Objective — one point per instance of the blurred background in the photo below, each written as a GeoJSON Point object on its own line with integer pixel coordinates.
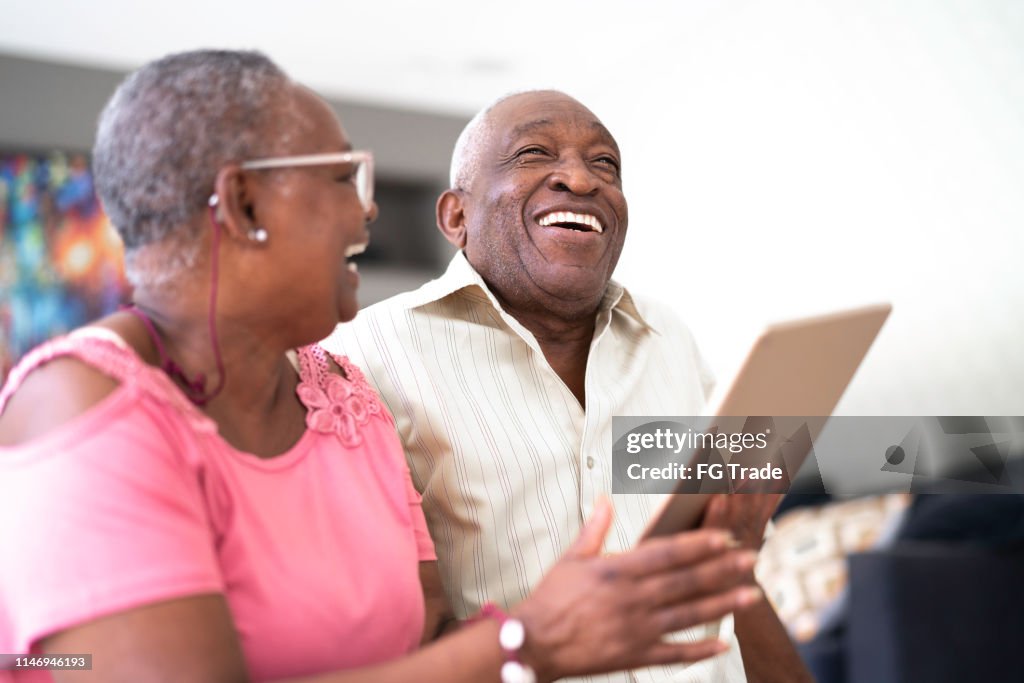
{"type": "Point", "coordinates": [780, 159]}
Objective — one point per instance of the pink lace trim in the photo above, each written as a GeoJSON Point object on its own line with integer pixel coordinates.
{"type": "Point", "coordinates": [337, 405]}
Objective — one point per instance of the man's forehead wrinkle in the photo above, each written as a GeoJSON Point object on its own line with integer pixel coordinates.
{"type": "Point", "coordinates": [522, 129]}
{"type": "Point", "coordinates": [494, 128]}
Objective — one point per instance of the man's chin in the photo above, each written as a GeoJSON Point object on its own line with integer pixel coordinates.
{"type": "Point", "coordinates": [573, 284]}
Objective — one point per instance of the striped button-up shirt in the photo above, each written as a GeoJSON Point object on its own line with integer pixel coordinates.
{"type": "Point", "coordinates": [508, 462]}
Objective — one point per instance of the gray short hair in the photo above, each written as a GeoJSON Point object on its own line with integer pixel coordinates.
{"type": "Point", "coordinates": [168, 129]}
{"type": "Point", "coordinates": [465, 155]}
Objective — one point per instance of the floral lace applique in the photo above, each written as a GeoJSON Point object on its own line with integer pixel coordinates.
{"type": "Point", "coordinates": [339, 406]}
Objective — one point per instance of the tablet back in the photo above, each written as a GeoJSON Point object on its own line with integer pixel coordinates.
{"type": "Point", "coordinates": [795, 368]}
{"type": "Point", "coordinates": [802, 367]}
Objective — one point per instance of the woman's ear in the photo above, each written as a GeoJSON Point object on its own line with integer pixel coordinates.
{"type": "Point", "coordinates": [451, 217]}
{"type": "Point", "coordinates": [234, 204]}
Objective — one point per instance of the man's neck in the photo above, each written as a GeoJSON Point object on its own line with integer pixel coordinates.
{"type": "Point", "coordinates": [565, 342]}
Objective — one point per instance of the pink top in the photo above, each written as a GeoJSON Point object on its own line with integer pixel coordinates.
{"type": "Point", "coordinates": [139, 500]}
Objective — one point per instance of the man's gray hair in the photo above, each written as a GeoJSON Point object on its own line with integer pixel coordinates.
{"type": "Point", "coordinates": [466, 154]}
{"type": "Point", "coordinates": [167, 130]}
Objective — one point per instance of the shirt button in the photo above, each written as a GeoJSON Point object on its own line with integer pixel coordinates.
{"type": "Point", "coordinates": [590, 462]}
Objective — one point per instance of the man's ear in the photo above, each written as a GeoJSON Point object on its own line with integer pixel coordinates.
{"type": "Point", "coordinates": [234, 209]}
{"type": "Point", "coordinates": [451, 217]}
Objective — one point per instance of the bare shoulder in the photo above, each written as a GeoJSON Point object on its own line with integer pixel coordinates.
{"type": "Point", "coordinates": [52, 395]}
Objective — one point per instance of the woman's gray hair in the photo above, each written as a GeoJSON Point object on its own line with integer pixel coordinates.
{"type": "Point", "coordinates": [165, 133]}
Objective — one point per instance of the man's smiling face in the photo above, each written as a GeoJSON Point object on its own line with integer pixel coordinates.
{"type": "Point", "coordinates": [544, 211]}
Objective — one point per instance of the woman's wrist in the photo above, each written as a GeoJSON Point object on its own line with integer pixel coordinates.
{"type": "Point", "coordinates": [520, 659]}
{"type": "Point", "coordinates": [533, 653]}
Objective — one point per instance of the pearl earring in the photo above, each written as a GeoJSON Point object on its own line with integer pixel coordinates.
{"type": "Point", "coordinates": [255, 234]}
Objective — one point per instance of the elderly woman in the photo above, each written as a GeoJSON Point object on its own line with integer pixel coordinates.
{"type": "Point", "coordinates": [191, 489]}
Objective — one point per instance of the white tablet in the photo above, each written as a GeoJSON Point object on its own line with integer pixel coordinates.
{"type": "Point", "coordinates": [798, 368]}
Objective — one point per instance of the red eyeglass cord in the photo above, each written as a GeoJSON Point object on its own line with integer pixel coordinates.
{"type": "Point", "coordinates": [195, 389]}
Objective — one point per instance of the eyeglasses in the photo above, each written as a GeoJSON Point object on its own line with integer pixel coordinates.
{"type": "Point", "coordinates": [362, 172]}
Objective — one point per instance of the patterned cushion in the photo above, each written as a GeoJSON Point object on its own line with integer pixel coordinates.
{"type": "Point", "coordinates": [802, 566]}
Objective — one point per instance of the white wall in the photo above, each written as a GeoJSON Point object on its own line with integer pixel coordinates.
{"type": "Point", "coordinates": [804, 156]}
{"type": "Point", "coordinates": [782, 157]}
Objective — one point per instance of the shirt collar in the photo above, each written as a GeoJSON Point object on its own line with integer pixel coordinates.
{"type": "Point", "coordinates": [461, 276]}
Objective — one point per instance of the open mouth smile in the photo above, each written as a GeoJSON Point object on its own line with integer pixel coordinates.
{"type": "Point", "coordinates": [354, 250]}
{"type": "Point", "coordinates": [581, 222]}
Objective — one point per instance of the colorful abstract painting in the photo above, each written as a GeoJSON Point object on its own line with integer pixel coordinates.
{"type": "Point", "coordinates": [60, 260]}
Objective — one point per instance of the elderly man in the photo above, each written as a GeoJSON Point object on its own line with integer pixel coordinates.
{"type": "Point", "coordinates": [504, 373]}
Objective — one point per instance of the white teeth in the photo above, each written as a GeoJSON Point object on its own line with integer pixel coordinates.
{"type": "Point", "coordinates": [570, 217]}
{"type": "Point", "coordinates": [353, 267]}
{"type": "Point", "coordinates": [355, 249]}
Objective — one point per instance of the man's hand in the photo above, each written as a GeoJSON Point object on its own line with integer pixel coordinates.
{"type": "Point", "coordinates": [746, 515]}
{"type": "Point", "coordinates": [768, 653]}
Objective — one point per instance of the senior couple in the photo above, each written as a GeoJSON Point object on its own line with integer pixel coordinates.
{"type": "Point", "coordinates": [194, 489]}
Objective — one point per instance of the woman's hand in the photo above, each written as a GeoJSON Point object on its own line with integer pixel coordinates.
{"type": "Point", "coordinates": [592, 613]}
